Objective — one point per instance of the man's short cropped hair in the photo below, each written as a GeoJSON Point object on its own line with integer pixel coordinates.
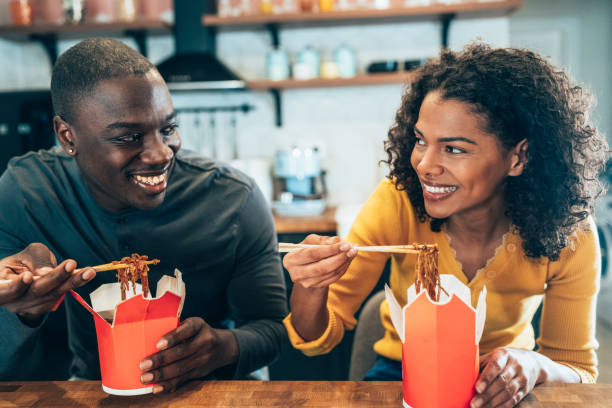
{"type": "Point", "coordinates": [77, 71]}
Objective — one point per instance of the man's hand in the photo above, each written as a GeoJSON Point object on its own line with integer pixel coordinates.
{"type": "Point", "coordinates": [31, 298]}
{"type": "Point", "coordinates": [507, 376]}
{"type": "Point", "coordinates": [193, 350]}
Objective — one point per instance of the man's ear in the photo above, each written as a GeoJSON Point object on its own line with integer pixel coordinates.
{"type": "Point", "coordinates": [64, 134]}
{"type": "Point", "coordinates": [518, 158]}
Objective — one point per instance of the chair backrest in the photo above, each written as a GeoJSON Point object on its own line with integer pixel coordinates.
{"type": "Point", "coordinates": [368, 331]}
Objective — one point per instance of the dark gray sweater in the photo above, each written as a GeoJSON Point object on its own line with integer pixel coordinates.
{"type": "Point", "coordinates": [214, 226]}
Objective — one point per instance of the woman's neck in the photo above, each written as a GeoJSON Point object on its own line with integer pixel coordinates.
{"type": "Point", "coordinates": [479, 226]}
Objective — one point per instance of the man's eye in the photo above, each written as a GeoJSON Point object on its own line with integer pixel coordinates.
{"type": "Point", "coordinates": [169, 130]}
{"type": "Point", "coordinates": [420, 141]}
{"type": "Point", "coordinates": [133, 138]}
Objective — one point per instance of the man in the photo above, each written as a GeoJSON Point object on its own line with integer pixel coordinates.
{"type": "Point", "coordinates": [117, 186]}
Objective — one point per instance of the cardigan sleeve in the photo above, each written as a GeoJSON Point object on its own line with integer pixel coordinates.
{"type": "Point", "coordinates": [376, 224]}
{"type": "Point", "coordinates": [569, 309]}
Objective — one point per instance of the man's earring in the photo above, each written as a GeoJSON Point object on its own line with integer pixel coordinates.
{"type": "Point", "coordinates": [71, 150]}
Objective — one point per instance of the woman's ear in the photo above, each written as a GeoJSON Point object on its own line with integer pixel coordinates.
{"type": "Point", "coordinates": [63, 131]}
{"type": "Point", "coordinates": [518, 158]}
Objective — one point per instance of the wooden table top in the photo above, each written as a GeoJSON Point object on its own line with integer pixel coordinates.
{"type": "Point", "coordinates": [270, 394]}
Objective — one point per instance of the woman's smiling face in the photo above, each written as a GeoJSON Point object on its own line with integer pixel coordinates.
{"type": "Point", "coordinates": [460, 166]}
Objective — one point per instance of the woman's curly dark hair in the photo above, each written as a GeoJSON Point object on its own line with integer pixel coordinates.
{"type": "Point", "coordinates": [521, 96]}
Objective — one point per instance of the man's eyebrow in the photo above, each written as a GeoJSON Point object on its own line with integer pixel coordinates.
{"type": "Point", "coordinates": [124, 125]}
{"type": "Point", "coordinates": [448, 139]}
{"type": "Point", "coordinates": [136, 125]}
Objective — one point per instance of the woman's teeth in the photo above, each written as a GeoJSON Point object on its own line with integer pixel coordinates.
{"type": "Point", "coordinates": [152, 181]}
{"type": "Point", "coordinates": [439, 190]}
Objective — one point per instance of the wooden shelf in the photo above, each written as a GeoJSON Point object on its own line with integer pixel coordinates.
{"type": "Point", "coordinates": [146, 25]}
{"type": "Point", "coordinates": [48, 34]}
{"type": "Point", "coordinates": [505, 6]}
{"type": "Point", "coordinates": [325, 222]}
{"type": "Point", "coordinates": [359, 80]}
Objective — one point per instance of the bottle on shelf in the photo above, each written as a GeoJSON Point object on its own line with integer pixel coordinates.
{"type": "Point", "coordinates": [326, 5]}
{"type": "Point", "coordinates": [126, 10]}
{"type": "Point", "coordinates": [307, 6]}
{"type": "Point", "coordinates": [74, 11]}
{"type": "Point", "coordinates": [100, 11]}
{"type": "Point", "coordinates": [344, 56]}
{"type": "Point", "coordinates": [49, 12]}
{"type": "Point", "coordinates": [266, 7]}
{"type": "Point", "coordinates": [329, 69]}
{"type": "Point", "coordinates": [277, 64]}
{"type": "Point", "coordinates": [307, 64]}
{"type": "Point", "coordinates": [21, 12]}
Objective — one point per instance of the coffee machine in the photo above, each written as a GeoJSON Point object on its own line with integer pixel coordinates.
{"type": "Point", "coordinates": [299, 182]}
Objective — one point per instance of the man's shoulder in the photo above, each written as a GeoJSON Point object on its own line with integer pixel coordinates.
{"type": "Point", "coordinates": [36, 159]}
{"type": "Point", "coordinates": [34, 166]}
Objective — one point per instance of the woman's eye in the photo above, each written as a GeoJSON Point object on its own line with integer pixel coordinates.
{"type": "Point", "coordinates": [420, 141]}
{"type": "Point", "coordinates": [454, 150]}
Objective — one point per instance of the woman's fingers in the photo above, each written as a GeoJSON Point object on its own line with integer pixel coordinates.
{"type": "Point", "coordinates": [321, 269]}
{"type": "Point", "coordinates": [307, 256]}
{"type": "Point", "coordinates": [494, 366]}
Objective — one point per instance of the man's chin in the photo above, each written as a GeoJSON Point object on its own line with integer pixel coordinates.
{"type": "Point", "coordinates": [151, 203]}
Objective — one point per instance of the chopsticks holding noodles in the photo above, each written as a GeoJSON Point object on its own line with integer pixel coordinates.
{"type": "Point", "coordinates": [97, 268]}
{"type": "Point", "coordinates": [395, 249]}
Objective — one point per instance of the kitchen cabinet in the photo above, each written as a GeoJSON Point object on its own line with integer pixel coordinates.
{"type": "Point", "coordinates": [445, 13]}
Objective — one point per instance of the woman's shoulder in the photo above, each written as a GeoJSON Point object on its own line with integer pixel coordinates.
{"type": "Point", "coordinates": [581, 254]}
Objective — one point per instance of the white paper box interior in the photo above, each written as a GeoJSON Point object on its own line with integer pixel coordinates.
{"type": "Point", "coordinates": [453, 286]}
{"type": "Point", "coordinates": [105, 299]}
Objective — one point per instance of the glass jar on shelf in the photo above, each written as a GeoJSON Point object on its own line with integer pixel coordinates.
{"type": "Point", "coordinates": [126, 10]}
{"type": "Point", "coordinates": [21, 12]}
{"type": "Point", "coordinates": [48, 12]}
{"type": "Point", "coordinates": [266, 7]}
{"type": "Point", "coordinates": [307, 6]}
{"type": "Point", "coordinates": [326, 5]}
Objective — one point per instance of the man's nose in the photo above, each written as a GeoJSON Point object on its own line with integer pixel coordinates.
{"type": "Point", "coordinates": [155, 151]}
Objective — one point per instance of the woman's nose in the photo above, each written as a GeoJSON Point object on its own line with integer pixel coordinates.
{"type": "Point", "coordinates": [428, 163]}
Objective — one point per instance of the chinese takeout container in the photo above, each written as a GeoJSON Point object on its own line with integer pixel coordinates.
{"type": "Point", "coordinates": [129, 330]}
{"type": "Point", "coordinates": [439, 344]}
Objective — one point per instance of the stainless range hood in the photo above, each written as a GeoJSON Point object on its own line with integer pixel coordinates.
{"type": "Point", "coordinates": [194, 66]}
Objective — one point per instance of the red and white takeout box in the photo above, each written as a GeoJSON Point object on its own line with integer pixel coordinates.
{"type": "Point", "coordinates": [128, 330]}
{"type": "Point", "coordinates": [439, 344]}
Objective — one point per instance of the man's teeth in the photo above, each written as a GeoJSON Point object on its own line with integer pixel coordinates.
{"type": "Point", "coordinates": [439, 190]}
{"type": "Point", "coordinates": [152, 181]}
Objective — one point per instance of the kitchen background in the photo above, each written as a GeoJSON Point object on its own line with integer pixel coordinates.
{"type": "Point", "coordinates": [347, 125]}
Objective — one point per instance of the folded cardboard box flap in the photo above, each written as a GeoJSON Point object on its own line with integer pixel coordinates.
{"type": "Point", "coordinates": [454, 287]}
{"type": "Point", "coordinates": [106, 299]}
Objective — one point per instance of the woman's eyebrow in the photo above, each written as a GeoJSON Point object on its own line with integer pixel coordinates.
{"type": "Point", "coordinates": [456, 139]}
{"type": "Point", "coordinates": [447, 139]}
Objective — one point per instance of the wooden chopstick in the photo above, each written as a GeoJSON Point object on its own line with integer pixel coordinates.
{"type": "Point", "coordinates": [398, 249]}
{"type": "Point", "coordinates": [97, 268]}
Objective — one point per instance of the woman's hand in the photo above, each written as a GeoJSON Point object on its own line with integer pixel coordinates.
{"type": "Point", "coordinates": [192, 350]}
{"type": "Point", "coordinates": [507, 376]}
{"type": "Point", "coordinates": [320, 266]}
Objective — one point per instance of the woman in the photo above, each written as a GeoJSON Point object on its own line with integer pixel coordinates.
{"type": "Point", "coordinates": [492, 158]}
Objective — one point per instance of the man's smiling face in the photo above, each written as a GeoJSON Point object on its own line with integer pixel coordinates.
{"type": "Point", "coordinates": [125, 141]}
